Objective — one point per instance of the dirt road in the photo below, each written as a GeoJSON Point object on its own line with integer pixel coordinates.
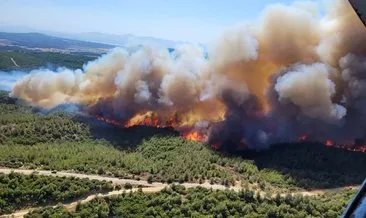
{"type": "Point", "coordinates": [72, 206]}
{"type": "Point", "coordinates": [147, 187]}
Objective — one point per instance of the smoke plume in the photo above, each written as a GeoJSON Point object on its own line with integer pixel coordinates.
{"type": "Point", "coordinates": [294, 72]}
{"type": "Point", "coordinates": [8, 79]}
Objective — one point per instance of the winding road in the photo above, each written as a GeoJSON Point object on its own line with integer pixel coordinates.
{"type": "Point", "coordinates": [147, 187]}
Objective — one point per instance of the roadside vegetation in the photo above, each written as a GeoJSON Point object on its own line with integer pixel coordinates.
{"type": "Point", "coordinates": [18, 191]}
{"type": "Point", "coordinates": [177, 201]}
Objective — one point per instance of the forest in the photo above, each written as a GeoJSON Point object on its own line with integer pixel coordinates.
{"type": "Point", "coordinates": [176, 201]}
{"type": "Point", "coordinates": [57, 140]}
{"type": "Point", "coordinates": [28, 60]}
{"type": "Point", "coordinates": [19, 191]}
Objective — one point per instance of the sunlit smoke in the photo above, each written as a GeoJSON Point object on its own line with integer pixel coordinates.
{"type": "Point", "coordinates": [293, 75]}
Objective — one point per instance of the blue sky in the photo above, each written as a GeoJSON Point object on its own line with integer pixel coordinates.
{"type": "Point", "coordinates": [187, 20]}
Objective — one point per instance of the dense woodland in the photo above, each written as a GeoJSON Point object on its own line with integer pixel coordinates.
{"type": "Point", "coordinates": [59, 141]}
{"type": "Point", "coordinates": [180, 202]}
{"type": "Point", "coordinates": [18, 190]}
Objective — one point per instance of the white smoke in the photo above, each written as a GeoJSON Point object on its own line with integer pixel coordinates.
{"type": "Point", "coordinates": [8, 79]}
{"type": "Point", "coordinates": [309, 87]}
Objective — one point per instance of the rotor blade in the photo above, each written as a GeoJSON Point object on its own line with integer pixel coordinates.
{"type": "Point", "coordinates": [360, 8]}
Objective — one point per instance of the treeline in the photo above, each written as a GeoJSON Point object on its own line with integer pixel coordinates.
{"type": "Point", "coordinates": [166, 159]}
{"type": "Point", "coordinates": [173, 159]}
{"type": "Point", "coordinates": [19, 190]}
{"type": "Point", "coordinates": [19, 125]}
{"type": "Point", "coordinates": [199, 202]}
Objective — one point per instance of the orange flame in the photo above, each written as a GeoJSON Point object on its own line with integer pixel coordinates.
{"type": "Point", "coordinates": [110, 121]}
{"type": "Point", "coordinates": [151, 119]}
{"type": "Point", "coordinates": [145, 121]}
{"type": "Point", "coordinates": [351, 147]}
{"type": "Point", "coordinates": [148, 119]}
{"type": "Point", "coordinates": [329, 142]}
{"type": "Point", "coordinates": [195, 136]}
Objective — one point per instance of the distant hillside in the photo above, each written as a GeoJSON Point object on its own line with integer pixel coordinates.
{"type": "Point", "coordinates": [45, 42]}
{"type": "Point", "coordinates": [23, 59]}
{"type": "Point", "coordinates": [127, 40]}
